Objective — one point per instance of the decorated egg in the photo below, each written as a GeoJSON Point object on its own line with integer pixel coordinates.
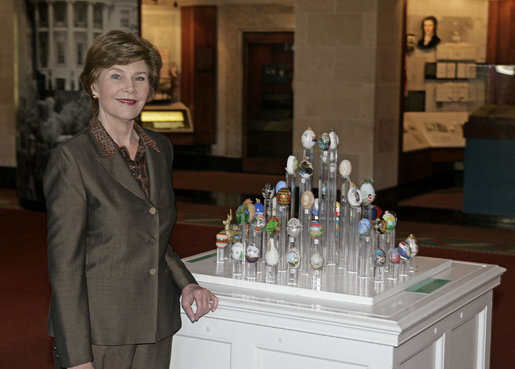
{"type": "Point", "coordinates": [345, 168]}
{"type": "Point", "coordinates": [273, 226]}
{"type": "Point", "coordinates": [222, 239]}
{"type": "Point", "coordinates": [252, 253]}
{"type": "Point", "coordinates": [354, 196]}
{"type": "Point", "coordinates": [260, 209]}
{"type": "Point", "coordinates": [315, 208]}
{"type": "Point", "coordinates": [242, 214]}
{"type": "Point", "coordinates": [379, 257]}
{"type": "Point", "coordinates": [364, 226]}
{"type": "Point", "coordinates": [259, 222]}
{"type": "Point", "coordinates": [316, 261]}
{"type": "Point", "coordinates": [293, 258]}
{"type": "Point", "coordinates": [272, 255]}
{"type": "Point", "coordinates": [294, 227]}
{"type": "Point", "coordinates": [316, 230]}
{"type": "Point", "coordinates": [279, 185]}
{"type": "Point", "coordinates": [283, 196]}
{"type": "Point", "coordinates": [307, 199]}
{"type": "Point", "coordinates": [391, 220]}
{"type": "Point", "coordinates": [237, 251]}
{"type": "Point", "coordinates": [268, 191]}
{"type": "Point", "coordinates": [404, 250]}
{"type": "Point", "coordinates": [380, 226]}
{"type": "Point", "coordinates": [308, 138]}
{"type": "Point", "coordinates": [337, 210]}
{"type": "Point", "coordinates": [370, 212]}
{"type": "Point", "coordinates": [324, 141]}
{"type": "Point", "coordinates": [334, 140]}
{"type": "Point", "coordinates": [367, 191]}
{"type": "Point", "coordinates": [292, 165]}
{"type": "Point", "coordinates": [305, 169]}
{"type": "Point", "coordinates": [412, 242]}
{"type": "Point", "coordinates": [395, 255]}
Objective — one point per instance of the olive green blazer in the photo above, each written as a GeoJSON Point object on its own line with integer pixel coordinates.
{"type": "Point", "coordinates": [115, 279]}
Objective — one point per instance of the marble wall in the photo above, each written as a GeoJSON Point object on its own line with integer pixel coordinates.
{"type": "Point", "coordinates": [8, 24]}
{"type": "Point", "coordinates": [347, 77]}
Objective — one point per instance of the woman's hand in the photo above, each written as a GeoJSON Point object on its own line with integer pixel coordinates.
{"type": "Point", "coordinates": [83, 366]}
{"type": "Point", "coordinates": [202, 297]}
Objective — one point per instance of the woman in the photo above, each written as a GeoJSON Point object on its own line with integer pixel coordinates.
{"type": "Point", "coordinates": [429, 38]}
{"type": "Point", "coordinates": [116, 281]}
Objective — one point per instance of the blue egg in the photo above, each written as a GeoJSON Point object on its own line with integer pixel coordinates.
{"type": "Point", "coordinates": [279, 185]}
{"type": "Point", "coordinates": [260, 209]}
{"type": "Point", "coordinates": [364, 226]}
{"type": "Point", "coordinates": [373, 211]}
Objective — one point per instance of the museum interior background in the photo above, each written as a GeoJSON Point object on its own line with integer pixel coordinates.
{"type": "Point", "coordinates": [249, 76]}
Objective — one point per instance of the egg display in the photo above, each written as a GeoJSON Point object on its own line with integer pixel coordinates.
{"type": "Point", "coordinates": [252, 253]}
{"type": "Point", "coordinates": [390, 219]}
{"type": "Point", "coordinates": [292, 165]}
{"type": "Point", "coordinates": [284, 196]}
{"type": "Point", "coordinates": [273, 226]}
{"type": "Point", "coordinates": [268, 191]}
{"type": "Point", "coordinates": [293, 258]}
{"type": "Point", "coordinates": [316, 230]}
{"type": "Point", "coordinates": [354, 196]}
{"type": "Point", "coordinates": [305, 169]}
{"type": "Point", "coordinates": [272, 255]}
{"type": "Point", "coordinates": [379, 258]}
{"type": "Point", "coordinates": [258, 222]}
{"type": "Point", "coordinates": [345, 168]}
{"type": "Point", "coordinates": [367, 191]}
{"type": "Point", "coordinates": [294, 227]}
{"type": "Point", "coordinates": [309, 138]}
{"type": "Point", "coordinates": [237, 251]}
{"type": "Point", "coordinates": [324, 141]}
{"type": "Point", "coordinates": [364, 226]}
{"type": "Point", "coordinates": [222, 239]}
{"type": "Point", "coordinates": [335, 141]}
{"type": "Point", "coordinates": [316, 261]}
{"type": "Point", "coordinates": [307, 199]}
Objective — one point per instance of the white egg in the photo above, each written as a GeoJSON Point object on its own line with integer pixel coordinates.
{"type": "Point", "coordinates": [335, 141]}
{"type": "Point", "coordinates": [354, 196]}
{"type": "Point", "coordinates": [345, 168]}
{"type": "Point", "coordinates": [292, 165]}
{"type": "Point", "coordinates": [309, 138]}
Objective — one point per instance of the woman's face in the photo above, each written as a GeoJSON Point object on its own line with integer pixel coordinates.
{"type": "Point", "coordinates": [122, 91]}
{"type": "Point", "coordinates": [429, 27]}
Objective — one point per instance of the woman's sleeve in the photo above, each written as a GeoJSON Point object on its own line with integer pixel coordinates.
{"type": "Point", "coordinates": [67, 217]}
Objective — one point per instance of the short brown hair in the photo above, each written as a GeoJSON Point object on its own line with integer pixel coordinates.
{"type": "Point", "coordinates": [119, 48]}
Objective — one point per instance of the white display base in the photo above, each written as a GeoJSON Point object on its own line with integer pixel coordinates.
{"type": "Point", "coordinates": [261, 326]}
{"type": "Point", "coordinates": [337, 285]}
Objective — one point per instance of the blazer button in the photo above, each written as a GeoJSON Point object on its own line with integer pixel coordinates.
{"type": "Point", "coordinates": [152, 210]}
{"type": "Point", "coordinates": [152, 271]}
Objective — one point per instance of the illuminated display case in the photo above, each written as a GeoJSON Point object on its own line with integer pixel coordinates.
{"type": "Point", "coordinates": [173, 117]}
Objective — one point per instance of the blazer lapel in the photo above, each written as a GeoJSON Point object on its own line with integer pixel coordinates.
{"type": "Point", "coordinates": [117, 167]}
{"type": "Point", "coordinates": [152, 157]}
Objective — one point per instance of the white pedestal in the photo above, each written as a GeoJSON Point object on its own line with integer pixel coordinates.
{"type": "Point", "coordinates": [342, 326]}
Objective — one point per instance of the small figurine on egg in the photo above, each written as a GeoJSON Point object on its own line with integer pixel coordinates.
{"type": "Point", "coordinates": [292, 165]}
{"type": "Point", "coordinates": [228, 227]}
{"type": "Point", "coordinates": [308, 138]}
{"type": "Point", "coordinates": [305, 169]}
{"type": "Point", "coordinates": [367, 190]}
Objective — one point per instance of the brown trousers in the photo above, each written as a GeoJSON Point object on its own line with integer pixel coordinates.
{"type": "Point", "coordinates": [144, 356]}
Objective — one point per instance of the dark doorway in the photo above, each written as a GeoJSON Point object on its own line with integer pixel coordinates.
{"type": "Point", "coordinates": [268, 101]}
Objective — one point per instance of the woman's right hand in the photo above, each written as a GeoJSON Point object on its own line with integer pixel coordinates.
{"type": "Point", "coordinates": [83, 366]}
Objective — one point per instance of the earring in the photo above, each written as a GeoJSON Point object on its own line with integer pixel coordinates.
{"type": "Point", "coordinates": [95, 97]}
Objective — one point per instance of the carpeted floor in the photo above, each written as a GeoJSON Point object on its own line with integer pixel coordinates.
{"type": "Point", "coordinates": [24, 275]}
